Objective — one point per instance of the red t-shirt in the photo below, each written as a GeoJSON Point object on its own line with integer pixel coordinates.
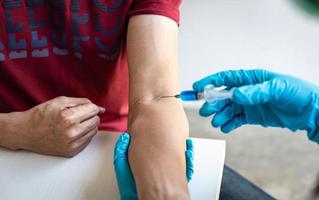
{"type": "Point", "coordinates": [74, 48]}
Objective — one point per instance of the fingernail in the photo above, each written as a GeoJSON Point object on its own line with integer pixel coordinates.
{"type": "Point", "coordinates": [189, 145]}
{"type": "Point", "coordinates": [215, 123]}
{"type": "Point", "coordinates": [101, 109]}
{"type": "Point", "coordinates": [226, 131]}
{"type": "Point", "coordinates": [204, 112]}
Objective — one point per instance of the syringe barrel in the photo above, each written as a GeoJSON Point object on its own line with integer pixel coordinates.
{"type": "Point", "coordinates": [211, 94]}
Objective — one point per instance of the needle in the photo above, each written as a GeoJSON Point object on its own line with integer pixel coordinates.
{"type": "Point", "coordinates": [173, 96]}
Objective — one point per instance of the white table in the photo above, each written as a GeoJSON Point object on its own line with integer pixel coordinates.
{"type": "Point", "coordinates": [90, 175]}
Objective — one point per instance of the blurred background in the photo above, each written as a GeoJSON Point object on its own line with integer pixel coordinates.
{"type": "Point", "coordinates": [278, 35]}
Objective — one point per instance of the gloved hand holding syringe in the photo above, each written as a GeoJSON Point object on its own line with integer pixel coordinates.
{"type": "Point", "coordinates": [260, 97]}
{"type": "Point", "coordinates": [210, 94]}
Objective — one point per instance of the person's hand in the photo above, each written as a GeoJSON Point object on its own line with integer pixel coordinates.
{"type": "Point", "coordinates": [62, 126]}
{"type": "Point", "coordinates": [123, 172]}
{"type": "Point", "coordinates": [263, 98]}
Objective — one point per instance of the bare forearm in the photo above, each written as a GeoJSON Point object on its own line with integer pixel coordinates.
{"type": "Point", "coordinates": [157, 153]}
{"type": "Point", "coordinates": [158, 125]}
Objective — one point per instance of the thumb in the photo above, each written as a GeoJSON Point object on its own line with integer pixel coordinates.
{"type": "Point", "coordinates": [189, 153]}
{"type": "Point", "coordinates": [254, 94]}
{"type": "Point", "coordinates": [121, 147]}
{"type": "Point", "coordinates": [124, 176]}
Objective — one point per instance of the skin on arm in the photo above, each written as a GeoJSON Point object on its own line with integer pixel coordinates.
{"type": "Point", "coordinates": [158, 126]}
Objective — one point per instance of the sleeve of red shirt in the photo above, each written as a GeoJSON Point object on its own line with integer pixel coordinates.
{"type": "Point", "coordinates": [167, 8]}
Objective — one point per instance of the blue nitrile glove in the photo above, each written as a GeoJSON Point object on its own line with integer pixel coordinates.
{"type": "Point", "coordinates": [125, 180]}
{"type": "Point", "coordinates": [263, 98]}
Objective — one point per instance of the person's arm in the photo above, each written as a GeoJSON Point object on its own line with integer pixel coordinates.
{"type": "Point", "coordinates": [158, 125]}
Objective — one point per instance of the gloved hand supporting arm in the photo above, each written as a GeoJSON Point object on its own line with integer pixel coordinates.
{"type": "Point", "coordinates": [125, 179]}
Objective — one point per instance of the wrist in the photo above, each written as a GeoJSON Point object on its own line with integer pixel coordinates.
{"type": "Point", "coordinates": [12, 126]}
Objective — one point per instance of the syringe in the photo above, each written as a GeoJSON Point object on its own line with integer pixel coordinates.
{"type": "Point", "coordinates": [210, 94]}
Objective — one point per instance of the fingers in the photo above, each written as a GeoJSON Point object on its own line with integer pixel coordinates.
{"type": "Point", "coordinates": [233, 78]}
{"type": "Point", "coordinates": [211, 108]}
{"type": "Point", "coordinates": [71, 101]}
{"type": "Point", "coordinates": [189, 145]}
{"type": "Point", "coordinates": [101, 109]}
{"type": "Point", "coordinates": [81, 112]}
{"type": "Point", "coordinates": [230, 118]}
{"type": "Point", "coordinates": [225, 111]}
{"type": "Point", "coordinates": [189, 153]}
{"type": "Point", "coordinates": [80, 141]}
{"type": "Point", "coordinates": [84, 139]}
{"type": "Point", "coordinates": [121, 146]}
{"type": "Point", "coordinates": [82, 146]}
{"type": "Point", "coordinates": [83, 128]}
{"type": "Point", "coordinates": [226, 115]}
{"type": "Point", "coordinates": [234, 123]}
{"type": "Point", "coordinates": [78, 146]}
